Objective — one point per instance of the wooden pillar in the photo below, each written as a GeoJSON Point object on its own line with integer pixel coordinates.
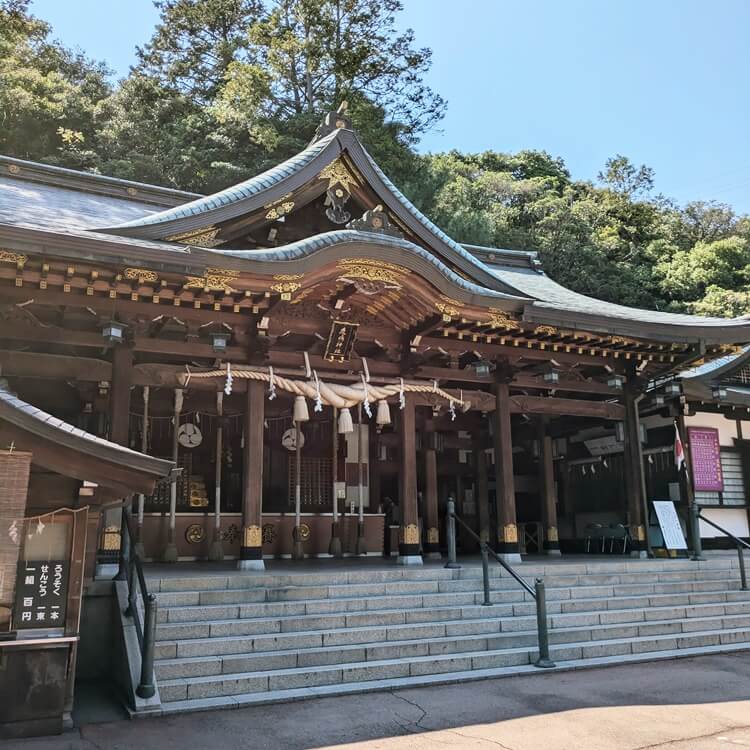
{"type": "Point", "coordinates": [505, 495]}
{"type": "Point", "coordinates": [119, 396]}
{"type": "Point", "coordinates": [483, 493]}
{"type": "Point", "coordinates": [431, 517]}
{"type": "Point", "coordinates": [408, 547]}
{"type": "Point", "coordinates": [686, 480]}
{"type": "Point", "coordinates": [251, 552]}
{"type": "Point", "coordinates": [547, 489]}
{"type": "Point", "coordinates": [633, 466]}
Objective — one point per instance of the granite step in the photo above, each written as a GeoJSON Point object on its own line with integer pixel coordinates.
{"type": "Point", "coordinates": [313, 657]}
{"type": "Point", "coordinates": [481, 625]}
{"type": "Point", "coordinates": [241, 580]}
{"type": "Point", "coordinates": [210, 686]}
{"type": "Point", "coordinates": [378, 591]}
{"type": "Point", "coordinates": [230, 622]}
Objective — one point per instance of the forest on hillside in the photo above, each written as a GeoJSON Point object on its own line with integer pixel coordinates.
{"type": "Point", "coordinates": [226, 88]}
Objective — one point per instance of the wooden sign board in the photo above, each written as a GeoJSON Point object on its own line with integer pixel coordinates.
{"type": "Point", "coordinates": [705, 459]}
{"type": "Point", "coordinates": [669, 523]}
{"type": "Point", "coordinates": [41, 594]}
{"type": "Point", "coordinates": [341, 341]}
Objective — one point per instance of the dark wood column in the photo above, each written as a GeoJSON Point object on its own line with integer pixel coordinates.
{"type": "Point", "coordinates": [251, 552]}
{"type": "Point", "coordinates": [119, 396]}
{"type": "Point", "coordinates": [408, 546]}
{"type": "Point", "coordinates": [633, 465]}
{"type": "Point", "coordinates": [483, 493]}
{"type": "Point", "coordinates": [547, 489]}
{"type": "Point", "coordinates": [431, 522]}
{"type": "Point", "coordinates": [505, 495]}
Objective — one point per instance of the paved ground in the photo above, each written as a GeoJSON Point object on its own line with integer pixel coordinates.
{"type": "Point", "coordinates": [695, 704]}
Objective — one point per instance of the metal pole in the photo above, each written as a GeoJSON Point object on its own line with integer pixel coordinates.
{"type": "Point", "coordinates": [146, 688]}
{"type": "Point", "coordinates": [334, 546]}
{"type": "Point", "coordinates": [298, 552]}
{"type": "Point", "coordinates": [486, 573]}
{"type": "Point", "coordinates": [170, 552]}
{"type": "Point", "coordinates": [695, 514]}
{"type": "Point", "coordinates": [543, 662]}
{"type": "Point", "coordinates": [139, 550]}
{"type": "Point", "coordinates": [743, 574]}
{"type": "Point", "coordinates": [122, 573]}
{"type": "Point", "coordinates": [451, 534]}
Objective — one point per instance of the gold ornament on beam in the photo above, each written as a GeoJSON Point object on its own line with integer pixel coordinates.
{"type": "Point", "coordinates": [450, 308]}
{"type": "Point", "coordinates": [253, 536]}
{"type": "Point", "coordinates": [206, 237]}
{"type": "Point", "coordinates": [501, 319]}
{"type": "Point", "coordinates": [288, 276]}
{"type": "Point", "coordinates": [211, 282]}
{"type": "Point", "coordinates": [545, 331]}
{"type": "Point", "coordinates": [141, 274]}
{"type": "Point", "coordinates": [372, 270]}
{"type": "Point", "coordinates": [279, 210]}
{"type": "Point", "coordinates": [285, 289]}
{"type": "Point", "coordinates": [7, 256]}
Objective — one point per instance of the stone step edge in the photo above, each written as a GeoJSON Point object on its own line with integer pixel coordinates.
{"type": "Point", "coordinates": [211, 639]}
{"type": "Point", "coordinates": [446, 678]}
{"type": "Point", "coordinates": [511, 587]}
{"type": "Point", "coordinates": [375, 612]}
{"type": "Point", "coordinates": [688, 568]}
{"type": "Point", "coordinates": [463, 638]}
{"type": "Point", "coordinates": [441, 573]}
{"type": "Point", "coordinates": [531, 650]}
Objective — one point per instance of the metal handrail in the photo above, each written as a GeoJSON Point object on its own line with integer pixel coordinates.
{"type": "Point", "coordinates": [538, 592]}
{"type": "Point", "coordinates": [739, 542]}
{"type": "Point", "coordinates": [131, 570]}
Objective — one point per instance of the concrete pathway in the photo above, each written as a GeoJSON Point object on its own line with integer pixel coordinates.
{"type": "Point", "coordinates": [687, 704]}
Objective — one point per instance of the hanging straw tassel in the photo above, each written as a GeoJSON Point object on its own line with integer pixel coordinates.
{"type": "Point", "coordinates": [300, 409]}
{"type": "Point", "coordinates": [345, 421]}
{"type": "Point", "coordinates": [384, 413]}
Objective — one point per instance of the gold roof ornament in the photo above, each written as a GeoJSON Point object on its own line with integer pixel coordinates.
{"type": "Point", "coordinates": [7, 256]}
{"type": "Point", "coordinates": [214, 280]}
{"type": "Point", "coordinates": [545, 331]}
{"type": "Point", "coordinates": [450, 308]}
{"type": "Point", "coordinates": [337, 173]}
{"type": "Point", "coordinates": [372, 270]}
{"type": "Point", "coordinates": [206, 237]}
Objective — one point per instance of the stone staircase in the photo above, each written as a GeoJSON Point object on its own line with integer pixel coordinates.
{"type": "Point", "coordinates": [237, 638]}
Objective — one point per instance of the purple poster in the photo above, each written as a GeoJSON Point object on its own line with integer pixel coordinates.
{"type": "Point", "coordinates": [705, 459]}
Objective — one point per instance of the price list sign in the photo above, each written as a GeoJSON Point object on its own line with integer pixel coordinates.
{"type": "Point", "coordinates": [41, 594]}
{"type": "Point", "coordinates": [705, 459]}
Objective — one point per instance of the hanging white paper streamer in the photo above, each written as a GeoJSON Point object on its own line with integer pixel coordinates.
{"type": "Point", "coordinates": [401, 395]}
{"type": "Point", "coordinates": [228, 384]}
{"type": "Point", "coordinates": [366, 401]}
{"type": "Point", "coordinates": [318, 397]}
{"type": "Point", "coordinates": [271, 385]}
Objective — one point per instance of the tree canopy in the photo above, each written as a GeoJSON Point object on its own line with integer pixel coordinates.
{"type": "Point", "coordinates": [226, 88]}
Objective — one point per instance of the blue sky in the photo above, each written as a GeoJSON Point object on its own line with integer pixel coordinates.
{"type": "Point", "coordinates": [664, 82]}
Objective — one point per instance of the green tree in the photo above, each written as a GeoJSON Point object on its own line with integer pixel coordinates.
{"type": "Point", "coordinates": [48, 93]}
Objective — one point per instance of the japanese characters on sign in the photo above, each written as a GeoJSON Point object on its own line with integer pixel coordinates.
{"type": "Point", "coordinates": [41, 594]}
{"type": "Point", "coordinates": [705, 459]}
{"type": "Point", "coordinates": [340, 341]}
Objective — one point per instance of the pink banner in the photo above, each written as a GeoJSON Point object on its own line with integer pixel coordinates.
{"type": "Point", "coordinates": [705, 459]}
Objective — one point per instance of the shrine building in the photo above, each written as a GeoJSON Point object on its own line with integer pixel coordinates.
{"type": "Point", "coordinates": [304, 366]}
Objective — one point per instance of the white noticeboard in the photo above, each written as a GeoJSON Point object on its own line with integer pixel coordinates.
{"type": "Point", "coordinates": [669, 523]}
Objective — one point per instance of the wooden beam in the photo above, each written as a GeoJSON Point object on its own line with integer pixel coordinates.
{"type": "Point", "coordinates": [562, 407]}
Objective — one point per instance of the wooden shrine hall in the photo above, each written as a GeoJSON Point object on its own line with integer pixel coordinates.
{"type": "Point", "coordinates": [325, 364]}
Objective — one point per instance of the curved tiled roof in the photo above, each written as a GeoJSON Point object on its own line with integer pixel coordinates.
{"type": "Point", "coordinates": [307, 247]}
{"type": "Point", "coordinates": [240, 192]}
{"type": "Point", "coordinates": [37, 422]}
